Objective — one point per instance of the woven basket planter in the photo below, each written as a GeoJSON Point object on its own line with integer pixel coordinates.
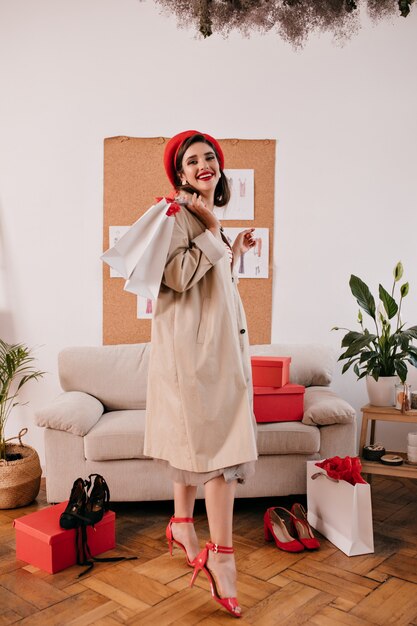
{"type": "Point", "coordinates": [19, 480]}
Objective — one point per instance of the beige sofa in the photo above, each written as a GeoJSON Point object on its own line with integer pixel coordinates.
{"type": "Point", "coordinates": [97, 425]}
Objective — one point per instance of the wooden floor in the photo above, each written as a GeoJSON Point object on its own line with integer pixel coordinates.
{"type": "Point", "coordinates": [325, 588]}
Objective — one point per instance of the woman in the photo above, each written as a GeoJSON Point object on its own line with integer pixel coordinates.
{"type": "Point", "coordinates": [199, 403]}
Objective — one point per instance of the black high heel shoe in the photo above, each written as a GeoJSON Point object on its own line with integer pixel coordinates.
{"type": "Point", "coordinates": [75, 510]}
{"type": "Point", "coordinates": [98, 500]}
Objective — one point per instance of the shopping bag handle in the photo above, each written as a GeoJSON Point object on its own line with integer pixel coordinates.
{"type": "Point", "coordinates": [317, 474]}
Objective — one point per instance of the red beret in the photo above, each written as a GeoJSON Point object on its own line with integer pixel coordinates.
{"type": "Point", "coordinates": [175, 143]}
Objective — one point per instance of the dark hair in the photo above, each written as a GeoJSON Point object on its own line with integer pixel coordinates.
{"type": "Point", "coordinates": [222, 191]}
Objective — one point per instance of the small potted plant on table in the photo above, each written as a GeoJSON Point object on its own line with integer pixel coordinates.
{"type": "Point", "coordinates": [380, 354]}
{"type": "Point", "coordinates": [20, 469]}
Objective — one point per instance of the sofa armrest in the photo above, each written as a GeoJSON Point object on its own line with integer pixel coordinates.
{"type": "Point", "coordinates": [323, 407]}
{"type": "Point", "coordinates": [75, 412]}
{"type": "Point", "coordinates": [338, 440]}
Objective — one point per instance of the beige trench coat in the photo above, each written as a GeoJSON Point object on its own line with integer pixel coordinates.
{"type": "Point", "coordinates": [199, 414]}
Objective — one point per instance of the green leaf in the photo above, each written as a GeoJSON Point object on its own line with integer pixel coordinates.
{"type": "Point", "coordinates": [411, 332]}
{"type": "Point", "coordinates": [401, 369]}
{"type": "Point", "coordinates": [374, 372]}
{"type": "Point", "coordinates": [362, 294]}
{"type": "Point", "coordinates": [374, 364]}
{"type": "Point", "coordinates": [350, 337]}
{"type": "Point", "coordinates": [10, 365]}
{"type": "Point", "coordinates": [346, 367]}
{"type": "Point", "coordinates": [25, 379]}
{"type": "Point", "coordinates": [390, 306]}
{"type": "Point", "coordinates": [366, 355]}
{"type": "Point", "coordinates": [404, 342]}
{"type": "Point", "coordinates": [412, 359]}
{"type": "Point", "coordinates": [357, 346]}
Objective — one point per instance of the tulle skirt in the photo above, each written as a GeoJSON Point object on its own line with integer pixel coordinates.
{"type": "Point", "coordinates": [240, 472]}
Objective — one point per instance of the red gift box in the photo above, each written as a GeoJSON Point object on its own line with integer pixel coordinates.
{"type": "Point", "coordinates": [270, 371]}
{"type": "Point", "coordinates": [41, 541]}
{"type": "Point", "coordinates": [279, 405]}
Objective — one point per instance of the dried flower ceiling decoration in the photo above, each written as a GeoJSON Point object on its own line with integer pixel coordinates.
{"type": "Point", "coordinates": [293, 20]}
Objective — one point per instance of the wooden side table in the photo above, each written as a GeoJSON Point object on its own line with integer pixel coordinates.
{"type": "Point", "coordinates": [373, 414]}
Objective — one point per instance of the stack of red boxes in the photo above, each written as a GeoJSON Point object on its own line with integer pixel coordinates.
{"type": "Point", "coordinates": [274, 398]}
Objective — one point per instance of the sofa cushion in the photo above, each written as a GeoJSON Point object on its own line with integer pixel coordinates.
{"type": "Point", "coordinates": [311, 363]}
{"type": "Point", "coordinates": [117, 435]}
{"type": "Point", "coordinates": [74, 412]}
{"type": "Point", "coordinates": [288, 438]}
{"type": "Point", "coordinates": [116, 375]}
{"type": "Point", "coordinates": [120, 434]}
{"type": "Point", "coordinates": [323, 406]}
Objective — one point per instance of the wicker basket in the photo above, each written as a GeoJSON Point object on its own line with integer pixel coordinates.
{"type": "Point", "coordinates": [19, 480]}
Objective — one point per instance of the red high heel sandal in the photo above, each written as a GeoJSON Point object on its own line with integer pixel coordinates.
{"type": "Point", "coordinates": [170, 537]}
{"type": "Point", "coordinates": [302, 528]}
{"type": "Point", "coordinates": [276, 530]}
{"type": "Point", "coordinates": [200, 564]}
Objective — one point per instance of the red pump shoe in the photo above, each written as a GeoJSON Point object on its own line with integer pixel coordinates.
{"type": "Point", "coordinates": [276, 530]}
{"type": "Point", "coordinates": [200, 564]}
{"type": "Point", "coordinates": [170, 537]}
{"type": "Point", "coordinates": [302, 528]}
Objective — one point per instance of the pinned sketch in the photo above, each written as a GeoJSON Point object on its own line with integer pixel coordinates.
{"type": "Point", "coordinates": [115, 232]}
{"type": "Point", "coordinates": [144, 308]}
{"type": "Point", "coordinates": [253, 264]}
{"type": "Point", "coordinates": [241, 205]}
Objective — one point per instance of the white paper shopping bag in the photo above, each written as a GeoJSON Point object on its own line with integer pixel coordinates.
{"type": "Point", "coordinates": [341, 512]}
{"type": "Point", "coordinates": [140, 254]}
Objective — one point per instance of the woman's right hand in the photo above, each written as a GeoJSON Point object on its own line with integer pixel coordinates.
{"type": "Point", "coordinates": [199, 208]}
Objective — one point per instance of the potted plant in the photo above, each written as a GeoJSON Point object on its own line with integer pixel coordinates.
{"type": "Point", "coordinates": [383, 352]}
{"type": "Point", "coordinates": [20, 470]}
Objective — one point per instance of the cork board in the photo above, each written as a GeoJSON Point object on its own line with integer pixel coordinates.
{"type": "Point", "coordinates": [133, 177]}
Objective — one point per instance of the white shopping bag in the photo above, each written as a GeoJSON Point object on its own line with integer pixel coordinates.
{"type": "Point", "coordinates": [140, 254]}
{"type": "Point", "coordinates": [341, 512]}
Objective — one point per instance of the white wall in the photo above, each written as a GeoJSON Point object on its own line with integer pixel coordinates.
{"type": "Point", "coordinates": [76, 72]}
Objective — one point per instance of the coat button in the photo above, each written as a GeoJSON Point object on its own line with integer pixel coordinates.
{"type": "Point", "coordinates": [242, 331]}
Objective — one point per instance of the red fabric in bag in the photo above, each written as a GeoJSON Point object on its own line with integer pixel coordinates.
{"type": "Point", "coordinates": [348, 469]}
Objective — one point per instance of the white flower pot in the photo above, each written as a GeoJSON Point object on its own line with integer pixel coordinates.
{"type": "Point", "coordinates": [381, 392]}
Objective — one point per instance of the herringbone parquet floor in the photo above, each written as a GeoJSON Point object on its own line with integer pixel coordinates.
{"type": "Point", "coordinates": [324, 588]}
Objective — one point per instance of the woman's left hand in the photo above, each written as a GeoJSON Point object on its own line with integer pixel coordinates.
{"type": "Point", "coordinates": [243, 242]}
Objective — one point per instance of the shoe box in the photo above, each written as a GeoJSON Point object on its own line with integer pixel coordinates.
{"type": "Point", "coordinates": [270, 371]}
{"type": "Point", "coordinates": [41, 541]}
